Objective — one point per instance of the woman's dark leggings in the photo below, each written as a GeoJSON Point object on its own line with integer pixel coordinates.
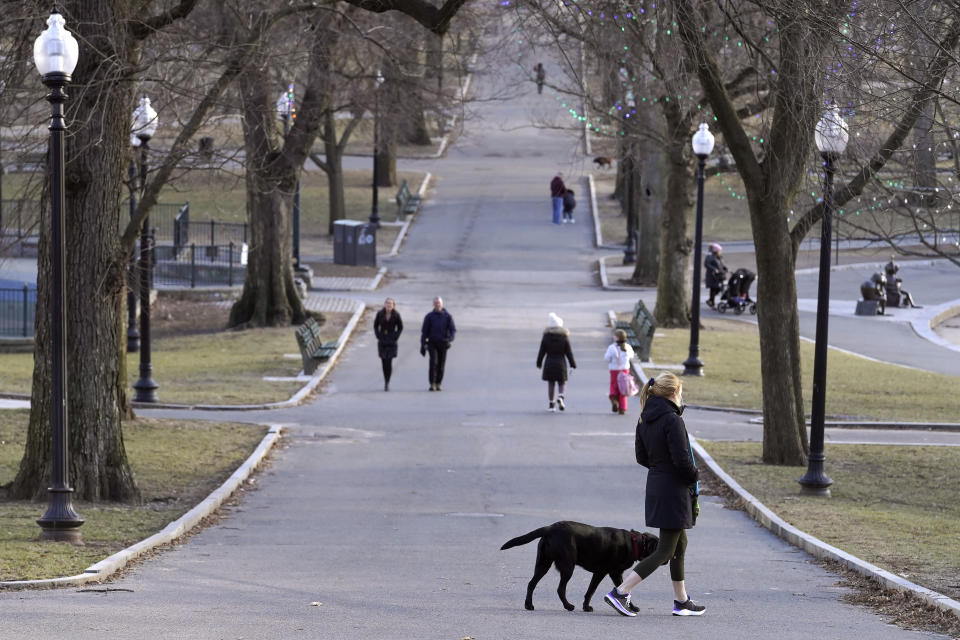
{"type": "Point", "coordinates": [672, 546]}
{"type": "Point", "coordinates": [387, 368]}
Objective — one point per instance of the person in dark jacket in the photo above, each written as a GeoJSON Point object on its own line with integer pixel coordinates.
{"type": "Point", "coordinates": [716, 271]}
{"type": "Point", "coordinates": [557, 189]}
{"type": "Point", "coordinates": [387, 327]}
{"type": "Point", "coordinates": [554, 353]}
{"type": "Point", "coordinates": [663, 446]}
{"type": "Point", "coordinates": [435, 336]}
{"type": "Point", "coordinates": [569, 204]}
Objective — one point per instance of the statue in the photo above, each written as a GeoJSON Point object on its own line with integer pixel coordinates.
{"type": "Point", "coordinates": [896, 296]}
{"type": "Point", "coordinates": [876, 289]}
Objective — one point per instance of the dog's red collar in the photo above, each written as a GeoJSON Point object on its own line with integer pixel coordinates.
{"type": "Point", "coordinates": [636, 547]}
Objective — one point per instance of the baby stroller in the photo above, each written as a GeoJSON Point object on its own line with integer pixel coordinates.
{"type": "Point", "coordinates": [736, 296]}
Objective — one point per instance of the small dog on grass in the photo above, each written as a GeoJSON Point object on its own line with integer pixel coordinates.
{"type": "Point", "coordinates": [604, 551]}
{"type": "Point", "coordinates": [603, 161]}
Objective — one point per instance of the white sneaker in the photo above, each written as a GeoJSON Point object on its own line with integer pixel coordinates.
{"type": "Point", "coordinates": [560, 404]}
{"type": "Point", "coordinates": [551, 408]}
{"type": "Point", "coordinates": [572, 220]}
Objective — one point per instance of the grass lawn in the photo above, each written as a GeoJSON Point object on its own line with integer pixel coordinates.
{"type": "Point", "coordinates": [893, 506]}
{"type": "Point", "coordinates": [196, 361]}
{"type": "Point", "coordinates": [176, 463]}
{"type": "Point", "coordinates": [857, 387]}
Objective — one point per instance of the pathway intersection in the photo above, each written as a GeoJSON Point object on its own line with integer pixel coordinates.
{"type": "Point", "coordinates": [382, 514]}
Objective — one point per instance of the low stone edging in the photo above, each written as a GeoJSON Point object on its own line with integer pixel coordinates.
{"type": "Point", "coordinates": [818, 548]}
{"type": "Point", "coordinates": [108, 566]}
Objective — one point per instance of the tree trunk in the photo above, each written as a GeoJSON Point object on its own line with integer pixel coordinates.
{"type": "Point", "coordinates": [784, 428]}
{"type": "Point", "coordinates": [770, 185]}
{"type": "Point", "coordinates": [96, 145]}
{"type": "Point", "coordinates": [412, 106]}
{"type": "Point", "coordinates": [269, 295]}
{"type": "Point", "coordinates": [334, 171]}
{"type": "Point", "coordinates": [925, 169]}
{"type": "Point", "coordinates": [673, 279]}
{"type": "Point", "coordinates": [434, 71]}
{"type": "Point", "coordinates": [650, 200]}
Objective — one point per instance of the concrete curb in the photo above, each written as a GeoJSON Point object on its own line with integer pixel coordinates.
{"type": "Point", "coordinates": [604, 283]}
{"type": "Point", "coordinates": [176, 529]}
{"type": "Point", "coordinates": [293, 401]}
{"type": "Point", "coordinates": [395, 250]}
{"type": "Point", "coordinates": [820, 549]}
{"type": "Point", "coordinates": [923, 327]}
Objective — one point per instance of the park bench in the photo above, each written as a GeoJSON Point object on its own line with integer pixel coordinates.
{"type": "Point", "coordinates": [639, 330]}
{"type": "Point", "coordinates": [406, 202]}
{"type": "Point", "coordinates": [313, 349]}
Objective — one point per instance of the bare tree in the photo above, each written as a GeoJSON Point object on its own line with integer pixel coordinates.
{"type": "Point", "coordinates": [809, 42]}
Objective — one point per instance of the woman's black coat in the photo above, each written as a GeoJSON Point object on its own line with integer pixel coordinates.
{"type": "Point", "coordinates": [554, 352]}
{"type": "Point", "coordinates": [387, 332]}
{"type": "Point", "coordinates": [663, 446]}
{"type": "Point", "coordinates": [716, 271]}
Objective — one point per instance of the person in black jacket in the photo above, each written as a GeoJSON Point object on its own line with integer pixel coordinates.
{"type": "Point", "coordinates": [435, 336]}
{"type": "Point", "coordinates": [387, 326]}
{"type": "Point", "coordinates": [554, 353]}
{"type": "Point", "coordinates": [663, 446]}
{"type": "Point", "coordinates": [716, 271]}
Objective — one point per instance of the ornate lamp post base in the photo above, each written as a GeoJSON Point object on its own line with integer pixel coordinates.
{"type": "Point", "coordinates": [60, 523]}
{"type": "Point", "coordinates": [692, 367]}
{"type": "Point", "coordinates": [146, 389]}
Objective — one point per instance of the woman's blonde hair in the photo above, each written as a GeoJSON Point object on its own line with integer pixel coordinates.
{"type": "Point", "coordinates": [665, 385]}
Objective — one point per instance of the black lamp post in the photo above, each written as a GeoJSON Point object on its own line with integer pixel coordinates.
{"type": "Point", "coordinates": [831, 138]}
{"type": "Point", "coordinates": [133, 336]}
{"type": "Point", "coordinates": [702, 146]}
{"type": "Point", "coordinates": [55, 53]}
{"type": "Point", "coordinates": [144, 126]}
{"type": "Point", "coordinates": [374, 215]}
{"type": "Point", "coordinates": [286, 107]}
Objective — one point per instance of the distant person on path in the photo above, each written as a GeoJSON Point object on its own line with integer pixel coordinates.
{"type": "Point", "coordinates": [618, 357]}
{"type": "Point", "coordinates": [387, 327]}
{"type": "Point", "coordinates": [663, 446]}
{"type": "Point", "coordinates": [554, 354]}
{"type": "Point", "coordinates": [716, 271]}
{"type": "Point", "coordinates": [569, 204]}
{"type": "Point", "coordinates": [541, 76]}
{"type": "Point", "coordinates": [435, 336]}
{"type": "Point", "coordinates": [557, 189]}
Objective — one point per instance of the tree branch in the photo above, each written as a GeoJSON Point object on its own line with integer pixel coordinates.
{"type": "Point", "coordinates": [435, 20]}
{"type": "Point", "coordinates": [918, 104]}
{"type": "Point", "coordinates": [713, 86]}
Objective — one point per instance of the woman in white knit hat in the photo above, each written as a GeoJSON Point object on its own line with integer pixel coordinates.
{"type": "Point", "coordinates": [554, 354]}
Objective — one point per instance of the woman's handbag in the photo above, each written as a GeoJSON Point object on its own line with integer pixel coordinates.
{"type": "Point", "coordinates": [626, 384]}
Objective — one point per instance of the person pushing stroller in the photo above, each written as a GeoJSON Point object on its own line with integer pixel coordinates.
{"type": "Point", "coordinates": [716, 271]}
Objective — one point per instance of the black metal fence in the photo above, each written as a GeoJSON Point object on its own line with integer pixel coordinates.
{"type": "Point", "coordinates": [18, 307]}
{"type": "Point", "coordinates": [200, 265]}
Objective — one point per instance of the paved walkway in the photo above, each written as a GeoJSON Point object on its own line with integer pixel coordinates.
{"type": "Point", "coordinates": [383, 513]}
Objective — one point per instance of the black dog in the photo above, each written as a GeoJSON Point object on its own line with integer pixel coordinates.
{"type": "Point", "coordinates": [604, 551]}
{"type": "Point", "coordinates": [603, 161]}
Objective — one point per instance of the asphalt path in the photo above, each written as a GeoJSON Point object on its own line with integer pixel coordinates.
{"type": "Point", "coordinates": [382, 514]}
